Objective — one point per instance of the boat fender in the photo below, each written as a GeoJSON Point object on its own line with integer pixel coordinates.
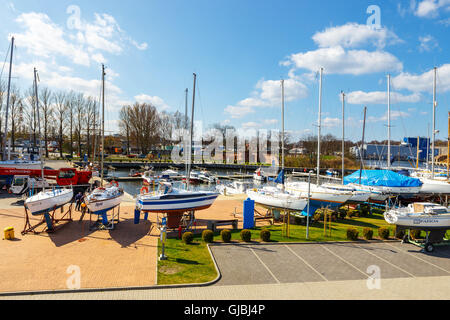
{"type": "Point", "coordinates": [144, 190]}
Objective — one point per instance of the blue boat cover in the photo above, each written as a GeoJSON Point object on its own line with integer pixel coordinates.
{"type": "Point", "coordinates": [384, 178]}
{"type": "Point", "coordinates": [279, 179]}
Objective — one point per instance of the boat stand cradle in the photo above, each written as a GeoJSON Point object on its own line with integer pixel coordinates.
{"type": "Point", "coordinates": [103, 223]}
{"type": "Point", "coordinates": [50, 219]}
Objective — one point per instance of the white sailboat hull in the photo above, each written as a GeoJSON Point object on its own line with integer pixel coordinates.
{"type": "Point", "coordinates": [433, 186]}
{"type": "Point", "coordinates": [317, 193]}
{"type": "Point", "coordinates": [278, 200]}
{"type": "Point", "coordinates": [44, 202]}
{"type": "Point", "coordinates": [102, 206]}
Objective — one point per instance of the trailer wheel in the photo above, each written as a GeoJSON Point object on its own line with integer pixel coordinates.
{"type": "Point", "coordinates": [429, 247]}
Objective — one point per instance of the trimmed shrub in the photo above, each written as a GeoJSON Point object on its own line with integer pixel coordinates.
{"type": "Point", "coordinates": [208, 236]}
{"type": "Point", "coordinates": [298, 220]}
{"type": "Point", "coordinates": [415, 234]}
{"type": "Point", "coordinates": [265, 235]}
{"type": "Point", "coordinates": [188, 237]}
{"type": "Point", "coordinates": [399, 234]}
{"type": "Point", "coordinates": [246, 235]}
{"type": "Point", "coordinates": [226, 235]}
{"type": "Point", "coordinates": [342, 214]}
{"type": "Point", "coordinates": [364, 211]}
{"type": "Point", "coordinates": [384, 233]}
{"type": "Point", "coordinates": [352, 234]}
{"type": "Point", "coordinates": [368, 234]}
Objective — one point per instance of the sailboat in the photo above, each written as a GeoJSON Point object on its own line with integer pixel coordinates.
{"type": "Point", "coordinates": [320, 197]}
{"type": "Point", "coordinates": [274, 197]}
{"type": "Point", "coordinates": [168, 199]}
{"type": "Point", "coordinates": [46, 200]}
{"type": "Point", "coordinates": [6, 161]}
{"type": "Point", "coordinates": [434, 182]}
{"type": "Point", "coordinates": [104, 199]}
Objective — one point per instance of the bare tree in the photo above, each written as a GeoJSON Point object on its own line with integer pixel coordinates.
{"type": "Point", "coordinates": [124, 125]}
{"type": "Point", "coordinates": [16, 111]}
{"type": "Point", "coordinates": [80, 109]}
{"type": "Point", "coordinates": [144, 124]}
{"type": "Point", "coordinates": [91, 110]}
{"type": "Point", "coordinates": [46, 98]}
{"type": "Point", "coordinates": [60, 116]}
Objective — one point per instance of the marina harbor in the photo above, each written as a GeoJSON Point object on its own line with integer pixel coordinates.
{"type": "Point", "coordinates": [230, 157]}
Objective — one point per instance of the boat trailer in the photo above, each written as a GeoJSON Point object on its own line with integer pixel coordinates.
{"type": "Point", "coordinates": [433, 239]}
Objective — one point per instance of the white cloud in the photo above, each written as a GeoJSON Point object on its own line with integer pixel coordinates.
{"type": "Point", "coordinates": [427, 43]}
{"type": "Point", "coordinates": [43, 38]}
{"type": "Point", "coordinates": [395, 114]}
{"type": "Point", "coordinates": [352, 35]}
{"type": "Point", "coordinates": [268, 94]}
{"type": "Point", "coordinates": [337, 60]}
{"type": "Point", "coordinates": [237, 112]}
{"type": "Point", "coordinates": [431, 8]}
{"type": "Point", "coordinates": [380, 97]}
{"type": "Point", "coordinates": [331, 122]}
{"type": "Point", "coordinates": [424, 82]}
{"type": "Point", "coordinates": [156, 101]}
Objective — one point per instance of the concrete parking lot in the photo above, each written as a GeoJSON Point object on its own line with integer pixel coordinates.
{"type": "Point", "coordinates": [299, 263]}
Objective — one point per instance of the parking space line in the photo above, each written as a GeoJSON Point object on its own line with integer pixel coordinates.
{"type": "Point", "coordinates": [267, 268]}
{"type": "Point", "coordinates": [305, 262]}
{"type": "Point", "coordinates": [410, 254]}
{"type": "Point", "coordinates": [345, 261]}
{"type": "Point", "coordinates": [393, 265]}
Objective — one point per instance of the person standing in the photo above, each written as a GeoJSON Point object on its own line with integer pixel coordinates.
{"type": "Point", "coordinates": [78, 198]}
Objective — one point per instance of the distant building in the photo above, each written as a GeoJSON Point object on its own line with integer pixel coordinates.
{"type": "Point", "coordinates": [298, 151]}
{"type": "Point", "coordinates": [406, 151]}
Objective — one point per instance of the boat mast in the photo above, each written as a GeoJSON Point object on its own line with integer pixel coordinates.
{"type": "Point", "coordinates": [362, 146]}
{"type": "Point", "coordinates": [282, 128]}
{"type": "Point", "coordinates": [188, 177]}
{"type": "Point", "coordinates": [186, 128]}
{"type": "Point", "coordinates": [448, 148]}
{"type": "Point", "coordinates": [343, 136]}
{"type": "Point", "coordinates": [389, 121]}
{"type": "Point", "coordinates": [7, 100]}
{"type": "Point", "coordinates": [428, 144]}
{"type": "Point", "coordinates": [103, 123]}
{"type": "Point", "coordinates": [282, 124]}
{"type": "Point", "coordinates": [36, 97]}
{"type": "Point", "coordinates": [434, 123]}
{"type": "Point", "coordinates": [319, 127]}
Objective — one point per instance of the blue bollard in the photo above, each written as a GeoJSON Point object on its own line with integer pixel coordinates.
{"type": "Point", "coordinates": [249, 214]}
{"type": "Point", "coordinates": [137, 215]}
{"type": "Point", "coordinates": [146, 216]}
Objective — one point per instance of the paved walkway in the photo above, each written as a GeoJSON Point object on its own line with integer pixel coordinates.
{"type": "Point", "coordinates": [436, 288]}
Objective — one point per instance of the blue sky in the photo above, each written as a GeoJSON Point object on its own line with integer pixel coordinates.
{"type": "Point", "coordinates": [240, 51]}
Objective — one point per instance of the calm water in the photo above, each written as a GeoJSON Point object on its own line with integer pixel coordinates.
{"type": "Point", "coordinates": [134, 187]}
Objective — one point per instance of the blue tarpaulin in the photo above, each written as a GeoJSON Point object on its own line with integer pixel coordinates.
{"type": "Point", "coordinates": [384, 178]}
